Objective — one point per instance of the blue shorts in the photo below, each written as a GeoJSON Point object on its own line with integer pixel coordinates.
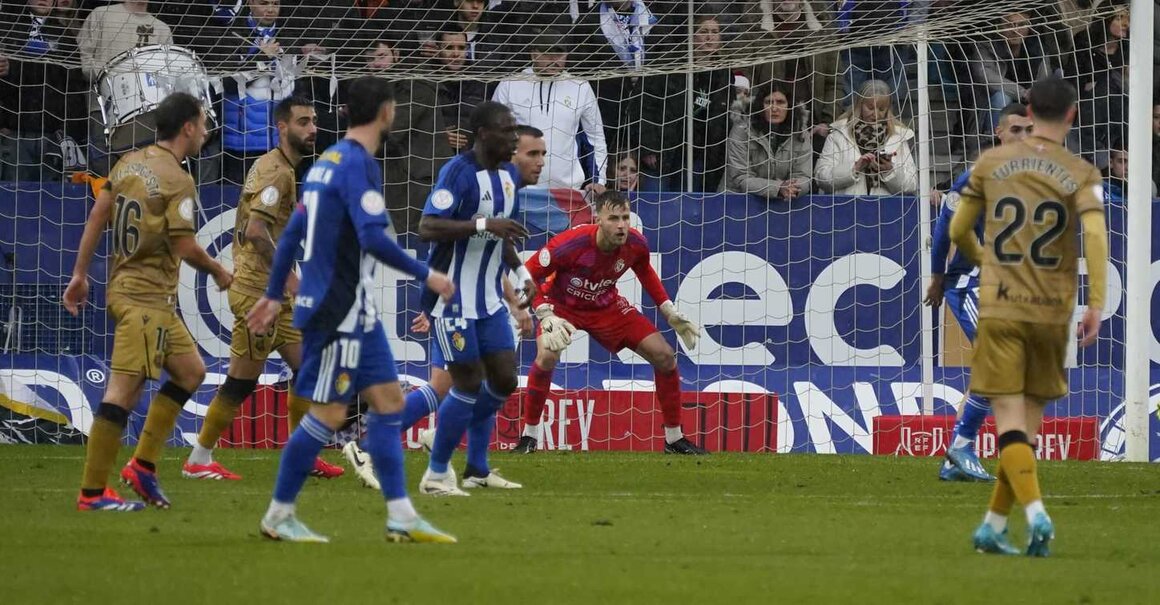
{"type": "Point", "coordinates": [461, 340]}
{"type": "Point", "coordinates": [963, 300]}
{"type": "Point", "coordinates": [336, 366]}
{"type": "Point", "coordinates": [437, 360]}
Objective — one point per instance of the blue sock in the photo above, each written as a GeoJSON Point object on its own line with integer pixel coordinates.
{"type": "Point", "coordinates": [487, 403]}
{"type": "Point", "coordinates": [975, 411]}
{"type": "Point", "coordinates": [454, 415]}
{"type": "Point", "coordinates": [298, 457]}
{"type": "Point", "coordinates": [418, 405]}
{"type": "Point", "coordinates": [385, 446]}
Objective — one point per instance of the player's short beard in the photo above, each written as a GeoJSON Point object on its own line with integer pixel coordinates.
{"type": "Point", "coordinates": [301, 145]}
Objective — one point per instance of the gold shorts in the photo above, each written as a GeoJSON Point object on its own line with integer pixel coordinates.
{"type": "Point", "coordinates": [248, 345]}
{"type": "Point", "coordinates": [1019, 357]}
{"type": "Point", "coordinates": [145, 337]}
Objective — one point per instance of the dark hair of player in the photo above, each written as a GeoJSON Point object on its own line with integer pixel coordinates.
{"type": "Point", "coordinates": [1014, 109]}
{"type": "Point", "coordinates": [1051, 98]}
{"type": "Point", "coordinates": [285, 108]}
{"type": "Point", "coordinates": [609, 199]}
{"type": "Point", "coordinates": [523, 130]}
{"type": "Point", "coordinates": [174, 112]}
{"type": "Point", "coordinates": [365, 97]}
{"type": "Point", "coordinates": [487, 115]}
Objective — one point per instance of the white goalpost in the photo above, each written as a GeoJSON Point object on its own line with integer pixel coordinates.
{"type": "Point", "coordinates": [1139, 335]}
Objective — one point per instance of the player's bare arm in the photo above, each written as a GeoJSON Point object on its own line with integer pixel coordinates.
{"type": "Point", "coordinates": [511, 258]}
{"type": "Point", "coordinates": [438, 229]}
{"type": "Point", "coordinates": [519, 310]}
{"type": "Point", "coordinates": [963, 228]}
{"type": "Point", "coordinates": [421, 324]}
{"type": "Point", "coordinates": [77, 291]}
{"type": "Point", "coordinates": [1095, 242]}
{"type": "Point", "coordinates": [258, 234]}
{"type": "Point", "coordinates": [191, 252]}
{"type": "Point", "coordinates": [935, 291]}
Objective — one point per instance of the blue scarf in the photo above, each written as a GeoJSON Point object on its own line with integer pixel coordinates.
{"type": "Point", "coordinates": [38, 44]}
{"type": "Point", "coordinates": [626, 33]}
{"type": "Point", "coordinates": [261, 34]}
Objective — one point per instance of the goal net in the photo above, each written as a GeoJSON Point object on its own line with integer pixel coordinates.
{"type": "Point", "coordinates": [780, 157]}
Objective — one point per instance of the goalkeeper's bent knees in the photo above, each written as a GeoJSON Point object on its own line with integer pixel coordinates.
{"type": "Point", "coordinates": [656, 350]}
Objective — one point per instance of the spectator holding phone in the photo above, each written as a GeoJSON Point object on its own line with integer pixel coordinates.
{"type": "Point", "coordinates": [868, 149]}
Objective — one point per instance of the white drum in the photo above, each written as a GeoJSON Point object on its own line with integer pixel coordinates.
{"type": "Point", "coordinates": [135, 82]}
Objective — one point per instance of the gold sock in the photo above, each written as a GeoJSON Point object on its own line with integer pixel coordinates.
{"type": "Point", "coordinates": [1017, 461]}
{"type": "Point", "coordinates": [101, 452]}
{"type": "Point", "coordinates": [222, 411]}
{"type": "Point", "coordinates": [159, 423]}
{"type": "Point", "coordinates": [297, 407]}
{"type": "Point", "coordinates": [1002, 497]}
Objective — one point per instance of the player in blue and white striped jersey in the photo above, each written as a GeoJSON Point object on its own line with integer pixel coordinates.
{"type": "Point", "coordinates": [958, 282]}
{"type": "Point", "coordinates": [469, 216]}
{"type": "Point", "coordinates": [342, 228]}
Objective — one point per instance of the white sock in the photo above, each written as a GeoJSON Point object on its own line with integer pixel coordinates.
{"type": "Point", "coordinates": [401, 510]}
{"type": "Point", "coordinates": [201, 455]}
{"type": "Point", "coordinates": [996, 521]}
{"type": "Point", "coordinates": [960, 442]}
{"type": "Point", "coordinates": [534, 431]}
{"type": "Point", "coordinates": [279, 510]}
{"type": "Point", "coordinates": [673, 434]}
{"type": "Point", "coordinates": [1032, 509]}
{"type": "Point", "coordinates": [433, 476]}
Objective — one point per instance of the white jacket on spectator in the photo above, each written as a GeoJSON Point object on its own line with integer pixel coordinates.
{"type": "Point", "coordinates": [560, 108]}
{"type": "Point", "coordinates": [834, 172]}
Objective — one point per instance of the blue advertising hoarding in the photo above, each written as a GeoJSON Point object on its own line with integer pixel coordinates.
{"type": "Point", "coordinates": [818, 301]}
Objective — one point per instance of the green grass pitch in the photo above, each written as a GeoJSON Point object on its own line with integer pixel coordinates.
{"type": "Point", "coordinates": [591, 528]}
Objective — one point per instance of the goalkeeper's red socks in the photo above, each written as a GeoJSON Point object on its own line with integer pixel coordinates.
{"type": "Point", "coordinates": [669, 395]}
{"type": "Point", "coordinates": [539, 385]}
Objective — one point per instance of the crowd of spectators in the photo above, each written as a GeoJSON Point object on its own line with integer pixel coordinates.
{"type": "Point", "coordinates": [831, 121]}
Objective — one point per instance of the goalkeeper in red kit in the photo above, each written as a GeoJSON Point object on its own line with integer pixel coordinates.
{"type": "Point", "coordinates": [576, 274]}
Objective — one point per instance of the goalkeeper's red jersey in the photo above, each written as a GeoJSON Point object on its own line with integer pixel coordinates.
{"type": "Point", "coordinates": [572, 272]}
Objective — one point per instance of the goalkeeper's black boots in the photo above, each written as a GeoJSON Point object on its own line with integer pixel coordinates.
{"type": "Point", "coordinates": [685, 447]}
{"type": "Point", "coordinates": [527, 445]}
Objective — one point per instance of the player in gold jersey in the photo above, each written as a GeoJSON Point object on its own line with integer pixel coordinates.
{"type": "Point", "coordinates": [1033, 194]}
{"type": "Point", "coordinates": [150, 201]}
{"type": "Point", "coordinates": [267, 201]}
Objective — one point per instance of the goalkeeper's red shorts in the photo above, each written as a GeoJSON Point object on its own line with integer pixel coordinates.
{"type": "Point", "coordinates": [620, 326]}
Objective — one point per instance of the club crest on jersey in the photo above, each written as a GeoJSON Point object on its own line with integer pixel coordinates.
{"type": "Point", "coordinates": [458, 341]}
{"type": "Point", "coordinates": [508, 190]}
{"type": "Point", "coordinates": [545, 257]}
{"type": "Point", "coordinates": [619, 265]}
{"type": "Point", "coordinates": [342, 383]}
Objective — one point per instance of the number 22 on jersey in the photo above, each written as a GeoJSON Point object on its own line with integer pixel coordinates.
{"type": "Point", "coordinates": [1048, 220]}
